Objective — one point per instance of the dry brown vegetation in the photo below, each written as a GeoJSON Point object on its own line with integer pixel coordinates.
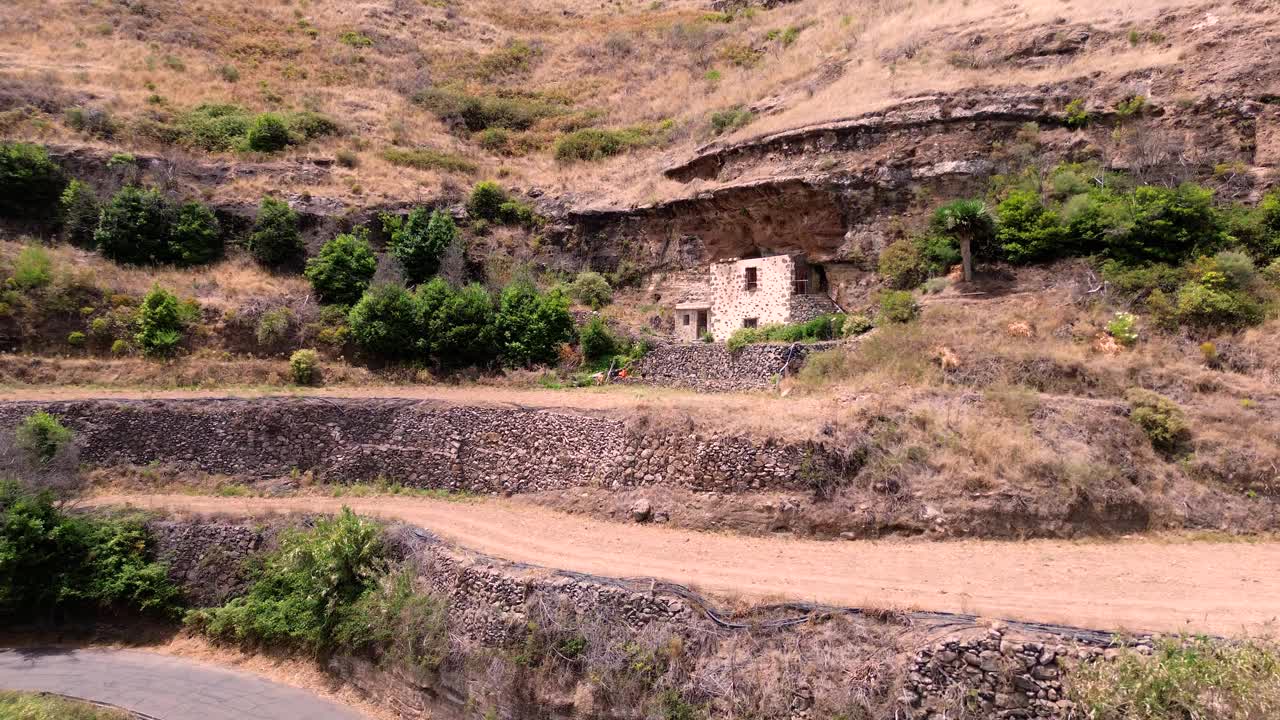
{"type": "Point", "coordinates": [608, 66]}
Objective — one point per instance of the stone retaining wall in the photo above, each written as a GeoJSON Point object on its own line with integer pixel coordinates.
{"type": "Point", "coordinates": [207, 559]}
{"type": "Point", "coordinates": [486, 449]}
{"type": "Point", "coordinates": [713, 366]}
{"type": "Point", "coordinates": [1004, 672]}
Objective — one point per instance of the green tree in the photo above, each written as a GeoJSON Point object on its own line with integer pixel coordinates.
{"type": "Point", "coordinates": [41, 436]}
{"type": "Point", "coordinates": [463, 331]}
{"type": "Point", "coordinates": [134, 227]}
{"type": "Point", "coordinates": [160, 323]}
{"type": "Point", "coordinates": [969, 223]}
{"type": "Point", "coordinates": [30, 182]}
{"type": "Point", "coordinates": [902, 265]}
{"type": "Point", "coordinates": [268, 133]}
{"type": "Point", "coordinates": [275, 239]}
{"type": "Point", "coordinates": [344, 268]}
{"type": "Point", "coordinates": [1169, 225]}
{"type": "Point", "coordinates": [531, 325]}
{"type": "Point", "coordinates": [419, 240]}
{"type": "Point", "coordinates": [80, 210]}
{"type": "Point", "coordinates": [385, 322]}
{"type": "Point", "coordinates": [195, 238]}
{"type": "Point", "coordinates": [1027, 231]}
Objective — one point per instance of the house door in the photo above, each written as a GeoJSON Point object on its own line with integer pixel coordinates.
{"type": "Point", "coordinates": [702, 323]}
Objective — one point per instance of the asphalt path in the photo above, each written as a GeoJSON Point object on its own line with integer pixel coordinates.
{"type": "Point", "coordinates": [161, 686]}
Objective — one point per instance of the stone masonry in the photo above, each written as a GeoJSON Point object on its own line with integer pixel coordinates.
{"type": "Point", "coordinates": [713, 367]}
{"type": "Point", "coordinates": [484, 449]}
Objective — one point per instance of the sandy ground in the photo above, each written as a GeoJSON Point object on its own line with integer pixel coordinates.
{"type": "Point", "coordinates": [1138, 585]}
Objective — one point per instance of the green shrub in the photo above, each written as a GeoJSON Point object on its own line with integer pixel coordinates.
{"type": "Point", "coordinates": [1168, 225]}
{"type": "Point", "coordinates": [91, 121]}
{"type": "Point", "coordinates": [80, 212]}
{"type": "Point", "coordinates": [1027, 231]}
{"type": "Point", "coordinates": [275, 239]}
{"type": "Point", "coordinates": [268, 133]}
{"type": "Point", "coordinates": [590, 288]}
{"type": "Point", "coordinates": [308, 125]}
{"type": "Point", "coordinates": [939, 252]}
{"type": "Point", "coordinates": [596, 341]}
{"type": "Point", "coordinates": [428, 159]}
{"type": "Point", "coordinates": [743, 337]}
{"type": "Point", "coordinates": [1160, 418]}
{"type": "Point", "coordinates": [1211, 304]}
{"type": "Point", "coordinates": [304, 367]}
{"type": "Point", "coordinates": [1236, 267]}
{"type": "Point", "coordinates": [55, 566]}
{"type": "Point", "coordinates": [590, 144]}
{"type": "Point", "coordinates": [902, 265]}
{"type": "Point", "coordinates": [857, 325]}
{"type": "Point", "coordinates": [1124, 328]}
{"type": "Point", "coordinates": [495, 140]}
{"type": "Point", "coordinates": [462, 329]}
{"type": "Point", "coordinates": [898, 306]}
{"type": "Point", "coordinates": [41, 436]}
{"type": "Point", "coordinates": [1183, 678]}
{"type": "Point", "coordinates": [75, 338]}
{"type": "Point", "coordinates": [134, 227]}
{"type": "Point", "coordinates": [730, 119]}
{"type": "Point", "coordinates": [30, 182]}
{"type": "Point", "coordinates": [355, 39]}
{"type": "Point", "coordinates": [273, 326]}
{"type": "Point", "coordinates": [531, 325]}
{"type": "Point", "coordinates": [306, 589]}
{"type": "Point", "coordinates": [160, 323]}
{"type": "Point", "coordinates": [418, 241]}
{"type": "Point", "coordinates": [195, 238]}
{"type": "Point", "coordinates": [405, 628]}
{"type": "Point", "coordinates": [1076, 116]}
{"type": "Point", "coordinates": [214, 127]}
{"type": "Point", "coordinates": [33, 268]}
{"type": "Point", "coordinates": [343, 269]}
{"type": "Point", "coordinates": [486, 201]}
{"type": "Point", "coordinates": [385, 322]}
{"type": "Point", "coordinates": [478, 112]}
{"type": "Point", "coordinates": [119, 347]}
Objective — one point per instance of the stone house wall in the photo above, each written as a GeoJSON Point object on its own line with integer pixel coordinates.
{"type": "Point", "coordinates": [732, 302]}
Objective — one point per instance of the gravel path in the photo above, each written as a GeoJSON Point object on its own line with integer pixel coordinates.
{"type": "Point", "coordinates": [1125, 585]}
{"type": "Point", "coordinates": [161, 686]}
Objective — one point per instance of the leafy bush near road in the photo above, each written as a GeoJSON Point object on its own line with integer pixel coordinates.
{"type": "Point", "coordinates": [898, 306]}
{"type": "Point", "coordinates": [304, 367]}
{"type": "Point", "coordinates": [531, 326]}
{"type": "Point", "coordinates": [141, 226]}
{"type": "Point", "coordinates": [1184, 678]}
{"type": "Point", "coordinates": [161, 321]}
{"type": "Point", "coordinates": [419, 241]}
{"type": "Point", "coordinates": [275, 239]}
{"type": "Point", "coordinates": [41, 437]}
{"type": "Point", "coordinates": [386, 322]}
{"type": "Point", "coordinates": [55, 566]}
{"type": "Point", "coordinates": [1160, 418]}
{"type": "Point", "coordinates": [343, 269]}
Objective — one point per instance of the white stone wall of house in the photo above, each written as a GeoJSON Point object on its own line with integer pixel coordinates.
{"type": "Point", "coordinates": [691, 320]}
{"type": "Point", "coordinates": [735, 303]}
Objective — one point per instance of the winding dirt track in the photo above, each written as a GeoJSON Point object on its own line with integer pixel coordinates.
{"type": "Point", "coordinates": [1128, 585]}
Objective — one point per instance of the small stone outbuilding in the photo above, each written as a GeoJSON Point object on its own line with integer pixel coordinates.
{"type": "Point", "coordinates": [753, 293]}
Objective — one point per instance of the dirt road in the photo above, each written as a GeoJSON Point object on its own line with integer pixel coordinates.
{"type": "Point", "coordinates": [1129, 585]}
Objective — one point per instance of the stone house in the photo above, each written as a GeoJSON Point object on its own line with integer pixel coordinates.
{"type": "Point", "coordinates": [754, 292]}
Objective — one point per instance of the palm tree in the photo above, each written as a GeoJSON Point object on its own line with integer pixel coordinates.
{"type": "Point", "coordinates": [966, 221]}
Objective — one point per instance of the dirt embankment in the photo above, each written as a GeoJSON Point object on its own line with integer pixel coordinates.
{"type": "Point", "coordinates": [1127, 585]}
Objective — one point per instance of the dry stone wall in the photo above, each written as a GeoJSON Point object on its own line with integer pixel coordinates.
{"type": "Point", "coordinates": [485, 449]}
{"type": "Point", "coordinates": [714, 367]}
{"type": "Point", "coordinates": [207, 559]}
{"type": "Point", "coordinates": [962, 670]}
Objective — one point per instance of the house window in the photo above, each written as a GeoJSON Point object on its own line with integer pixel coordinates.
{"type": "Point", "coordinates": [686, 318]}
{"type": "Point", "coordinates": [753, 280]}
{"type": "Point", "coordinates": [751, 322]}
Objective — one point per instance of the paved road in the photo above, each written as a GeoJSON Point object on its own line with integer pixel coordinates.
{"type": "Point", "coordinates": [162, 686]}
{"type": "Point", "coordinates": [1126, 585]}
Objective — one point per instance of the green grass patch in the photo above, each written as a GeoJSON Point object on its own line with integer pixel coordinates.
{"type": "Point", "coordinates": [428, 159]}
{"type": "Point", "coordinates": [590, 144]}
{"type": "Point", "coordinates": [480, 112]}
{"type": "Point", "coordinates": [39, 706]}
